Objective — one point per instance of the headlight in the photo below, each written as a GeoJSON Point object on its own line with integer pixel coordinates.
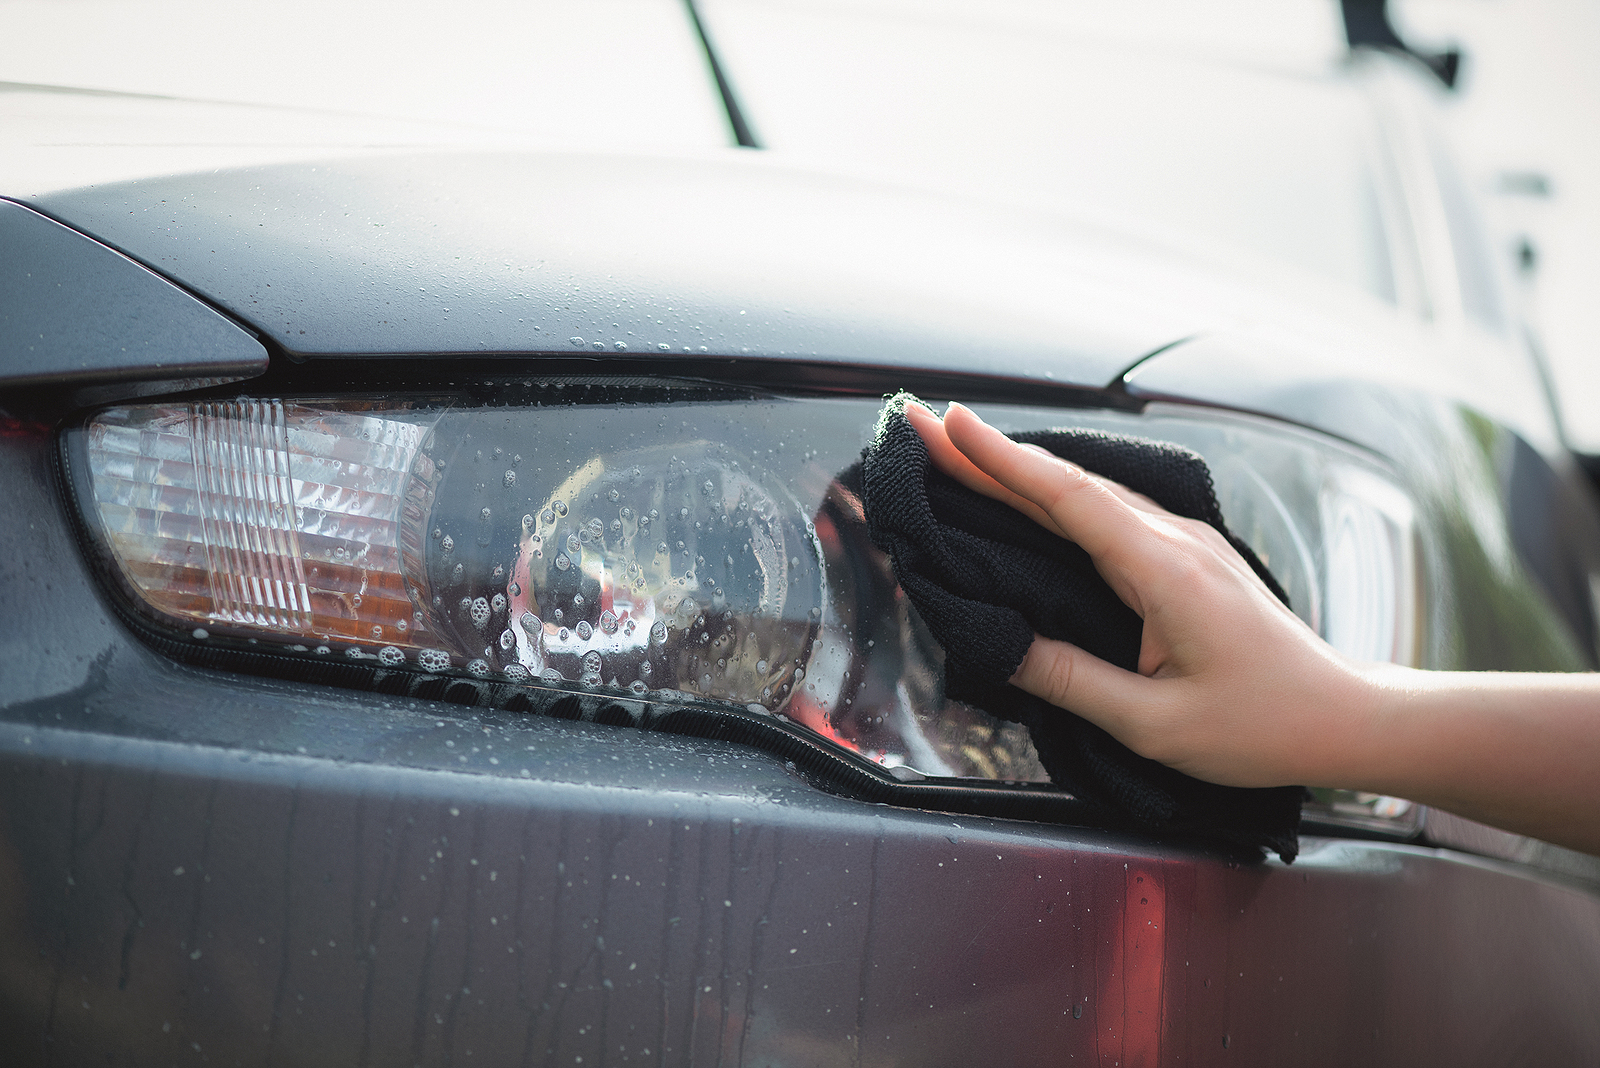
{"type": "Point", "coordinates": [660, 543]}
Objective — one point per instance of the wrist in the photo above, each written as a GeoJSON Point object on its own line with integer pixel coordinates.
{"type": "Point", "coordinates": [1367, 727]}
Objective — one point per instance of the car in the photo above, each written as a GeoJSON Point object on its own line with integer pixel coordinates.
{"type": "Point", "coordinates": [440, 623]}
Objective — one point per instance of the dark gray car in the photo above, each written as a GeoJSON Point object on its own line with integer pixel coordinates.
{"type": "Point", "coordinates": [440, 627]}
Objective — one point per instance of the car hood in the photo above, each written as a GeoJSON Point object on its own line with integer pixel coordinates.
{"type": "Point", "coordinates": [722, 254]}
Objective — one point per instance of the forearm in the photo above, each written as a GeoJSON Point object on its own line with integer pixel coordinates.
{"type": "Point", "coordinates": [1519, 751]}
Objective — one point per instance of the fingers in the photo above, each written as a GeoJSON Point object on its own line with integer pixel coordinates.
{"type": "Point", "coordinates": [953, 462]}
{"type": "Point", "coordinates": [1080, 507]}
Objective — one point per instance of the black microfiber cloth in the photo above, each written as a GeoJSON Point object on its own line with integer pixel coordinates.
{"type": "Point", "coordinates": [985, 578]}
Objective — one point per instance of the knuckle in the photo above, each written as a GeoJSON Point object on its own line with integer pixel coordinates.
{"type": "Point", "coordinates": [1058, 677]}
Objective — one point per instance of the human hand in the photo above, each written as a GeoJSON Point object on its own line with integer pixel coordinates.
{"type": "Point", "coordinates": [1232, 687]}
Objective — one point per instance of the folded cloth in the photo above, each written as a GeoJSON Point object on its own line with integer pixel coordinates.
{"type": "Point", "coordinates": [984, 577]}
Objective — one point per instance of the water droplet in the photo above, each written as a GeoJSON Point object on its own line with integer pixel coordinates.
{"type": "Point", "coordinates": [564, 634]}
{"type": "Point", "coordinates": [507, 639]}
{"type": "Point", "coordinates": [201, 633]}
{"type": "Point", "coordinates": [608, 621]}
{"type": "Point", "coordinates": [616, 526]}
{"type": "Point", "coordinates": [402, 625]}
{"type": "Point", "coordinates": [585, 632]}
{"type": "Point", "coordinates": [558, 615]}
{"type": "Point", "coordinates": [1077, 1012]}
{"type": "Point", "coordinates": [515, 589]}
{"type": "Point", "coordinates": [480, 612]}
{"type": "Point", "coordinates": [498, 602]}
{"type": "Point", "coordinates": [527, 522]}
{"type": "Point", "coordinates": [589, 679]}
{"type": "Point", "coordinates": [377, 631]}
{"type": "Point", "coordinates": [530, 622]}
{"type": "Point", "coordinates": [574, 546]}
{"type": "Point", "coordinates": [562, 563]}
{"type": "Point", "coordinates": [436, 533]}
{"type": "Point", "coordinates": [509, 478]}
{"type": "Point", "coordinates": [761, 666]}
{"type": "Point", "coordinates": [638, 686]}
{"type": "Point", "coordinates": [799, 673]}
{"type": "Point", "coordinates": [433, 660]}
{"type": "Point", "coordinates": [614, 495]}
{"type": "Point", "coordinates": [322, 650]}
{"type": "Point", "coordinates": [577, 341]}
{"type": "Point", "coordinates": [578, 601]}
{"type": "Point", "coordinates": [484, 515]}
{"type": "Point", "coordinates": [552, 675]}
{"type": "Point", "coordinates": [548, 517]}
{"type": "Point", "coordinates": [626, 513]}
{"type": "Point", "coordinates": [645, 669]}
{"type": "Point", "coordinates": [449, 544]}
{"type": "Point", "coordinates": [458, 572]}
{"type": "Point", "coordinates": [658, 632]}
{"type": "Point", "coordinates": [516, 673]}
{"type": "Point", "coordinates": [662, 549]}
{"type": "Point", "coordinates": [591, 661]}
{"type": "Point", "coordinates": [559, 506]}
{"type": "Point", "coordinates": [390, 655]}
{"type": "Point", "coordinates": [478, 668]}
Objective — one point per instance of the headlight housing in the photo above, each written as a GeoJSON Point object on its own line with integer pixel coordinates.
{"type": "Point", "coordinates": [664, 543]}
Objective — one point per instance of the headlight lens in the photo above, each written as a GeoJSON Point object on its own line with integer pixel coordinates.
{"type": "Point", "coordinates": [647, 541]}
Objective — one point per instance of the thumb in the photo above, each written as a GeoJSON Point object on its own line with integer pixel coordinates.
{"type": "Point", "coordinates": [1082, 683]}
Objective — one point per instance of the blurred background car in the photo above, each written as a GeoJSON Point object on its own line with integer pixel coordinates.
{"type": "Point", "coordinates": [440, 623]}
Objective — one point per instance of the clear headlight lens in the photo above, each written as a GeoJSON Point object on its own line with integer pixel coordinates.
{"type": "Point", "coordinates": [650, 541]}
{"type": "Point", "coordinates": [1369, 540]}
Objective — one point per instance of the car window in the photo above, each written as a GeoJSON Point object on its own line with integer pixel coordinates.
{"type": "Point", "coordinates": [97, 90]}
{"type": "Point", "coordinates": [1241, 157]}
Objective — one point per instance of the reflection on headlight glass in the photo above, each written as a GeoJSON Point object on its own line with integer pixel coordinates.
{"type": "Point", "coordinates": [684, 549]}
